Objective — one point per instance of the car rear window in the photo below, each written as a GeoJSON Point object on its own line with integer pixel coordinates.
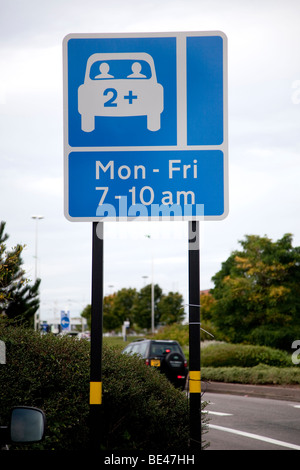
{"type": "Point", "coordinates": [121, 69]}
{"type": "Point", "coordinates": [137, 348]}
{"type": "Point", "coordinates": [160, 349]}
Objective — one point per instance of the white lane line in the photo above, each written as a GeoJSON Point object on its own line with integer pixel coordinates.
{"type": "Point", "coordinates": [255, 436]}
{"type": "Point", "coordinates": [218, 413]}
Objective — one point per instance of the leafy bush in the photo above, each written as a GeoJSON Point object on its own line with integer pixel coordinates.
{"type": "Point", "coordinates": [239, 355]}
{"type": "Point", "coordinates": [175, 332]}
{"type": "Point", "coordinates": [141, 410]}
{"type": "Point", "coordinates": [180, 332]}
{"type": "Point", "coordinates": [51, 373]}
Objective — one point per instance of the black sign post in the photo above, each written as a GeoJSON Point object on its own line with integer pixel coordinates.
{"type": "Point", "coordinates": [96, 337]}
{"type": "Point", "coordinates": [194, 335]}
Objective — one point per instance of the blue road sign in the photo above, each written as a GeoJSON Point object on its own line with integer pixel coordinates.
{"type": "Point", "coordinates": [145, 126]}
{"type": "Point", "coordinates": [65, 323]}
{"type": "Point", "coordinates": [64, 320]}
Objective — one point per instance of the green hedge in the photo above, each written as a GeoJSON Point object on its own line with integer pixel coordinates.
{"type": "Point", "coordinates": [280, 338]}
{"type": "Point", "coordinates": [141, 410]}
{"type": "Point", "coordinates": [51, 373]}
{"type": "Point", "coordinates": [258, 375]}
{"type": "Point", "coordinates": [240, 355]}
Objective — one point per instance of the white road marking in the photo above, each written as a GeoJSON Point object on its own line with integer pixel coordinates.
{"type": "Point", "coordinates": [218, 413]}
{"type": "Point", "coordinates": [255, 436]}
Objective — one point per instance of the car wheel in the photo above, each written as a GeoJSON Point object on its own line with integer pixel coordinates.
{"type": "Point", "coordinates": [153, 122]}
{"type": "Point", "coordinates": [87, 123]}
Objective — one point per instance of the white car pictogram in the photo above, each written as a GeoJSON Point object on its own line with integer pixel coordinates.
{"type": "Point", "coordinates": [120, 84]}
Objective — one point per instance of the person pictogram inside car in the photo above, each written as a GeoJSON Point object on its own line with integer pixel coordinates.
{"type": "Point", "coordinates": [136, 71]}
{"type": "Point", "coordinates": [104, 69]}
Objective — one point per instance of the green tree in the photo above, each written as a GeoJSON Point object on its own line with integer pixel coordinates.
{"type": "Point", "coordinates": [136, 306]}
{"type": "Point", "coordinates": [142, 309]}
{"type": "Point", "coordinates": [18, 299]}
{"type": "Point", "coordinates": [168, 308]}
{"type": "Point", "coordinates": [87, 314]}
{"type": "Point", "coordinates": [206, 301]}
{"type": "Point", "coordinates": [111, 320]}
{"type": "Point", "coordinates": [257, 292]}
{"type": "Point", "coordinates": [171, 309]}
{"type": "Point", "coordinates": [117, 308]}
{"type": "Point", "coordinates": [122, 305]}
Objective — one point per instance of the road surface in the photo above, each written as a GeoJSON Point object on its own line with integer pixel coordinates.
{"type": "Point", "coordinates": [251, 423]}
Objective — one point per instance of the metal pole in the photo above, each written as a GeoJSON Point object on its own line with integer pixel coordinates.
{"type": "Point", "coordinates": [36, 315]}
{"type": "Point", "coordinates": [194, 335]}
{"type": "Point", "coordinates": [152, 298]}
{"type": "Point", "coordinates": [152, 288]}
{"type": "Point", "coordinates": [96, 337]}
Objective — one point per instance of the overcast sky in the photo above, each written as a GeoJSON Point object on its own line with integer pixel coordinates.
{"type": "Point", "coordinates": [264, 141]}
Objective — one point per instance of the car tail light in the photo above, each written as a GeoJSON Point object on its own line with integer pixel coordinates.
{"type": "Point", "coordinates": [180, 376]}
{"type": "Point", "coordinates": [185, 363]}
{"type": "Point", "coordinates": [147, 362]}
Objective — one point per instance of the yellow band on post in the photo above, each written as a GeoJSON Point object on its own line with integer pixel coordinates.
{"type": "Point", "coordinates": [95, 393]}
{"type": "Point", "coordinates": [195, 381]}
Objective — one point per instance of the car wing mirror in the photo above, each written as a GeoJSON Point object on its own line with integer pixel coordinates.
{"type": "Point", "coordinates": [27, 424]}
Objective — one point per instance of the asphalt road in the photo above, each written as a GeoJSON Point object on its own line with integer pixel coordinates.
{"type": "Point", "coordinates": [252, 423]}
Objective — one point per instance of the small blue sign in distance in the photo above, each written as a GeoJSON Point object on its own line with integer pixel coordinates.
{"type": "Point", "coordinates": [65, 322]}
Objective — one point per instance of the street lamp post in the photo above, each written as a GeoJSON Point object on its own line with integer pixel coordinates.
{"type": "Point", "coordinates": [36, 218]}
{"type": "Point", "coordinates": [152, 289]}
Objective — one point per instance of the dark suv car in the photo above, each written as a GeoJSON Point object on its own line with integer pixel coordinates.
{"type": "Point", "coordinates": [165, 355]}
